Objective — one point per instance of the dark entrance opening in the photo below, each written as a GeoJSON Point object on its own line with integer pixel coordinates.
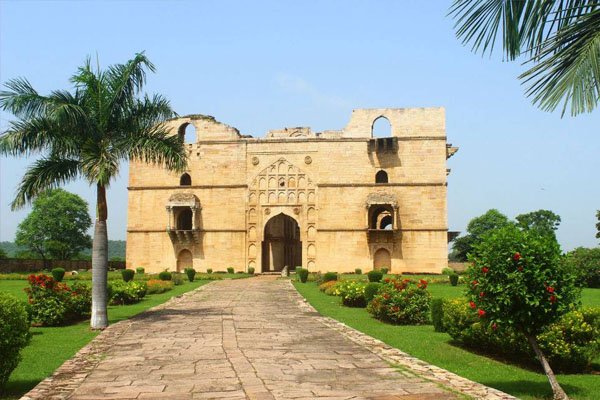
{"type": "Point", "coordinates": [281, 245]}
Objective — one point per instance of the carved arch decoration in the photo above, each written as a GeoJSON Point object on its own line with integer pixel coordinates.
{"type": "Point", "coordinates": [281, 187]}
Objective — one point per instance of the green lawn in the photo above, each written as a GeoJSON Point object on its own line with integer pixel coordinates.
{"type": "Point", "coordinates": [436, 348]}
{"type": "Point", "coordinates": [52, 346]}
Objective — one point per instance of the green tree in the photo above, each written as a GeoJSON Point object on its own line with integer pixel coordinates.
{"type": "Point", "coordinates": [561, 39]}
{"type": "Point", "coordinates": [56, 228]}
{"type": "Point", "coordinates": [88, 133]}
{"type": "Point", "coordinates": [598, 224]}
{"type": "Point", "coordinates": [517, 281]}
{"type": "Point", "coordinates": [542, 221]}
{"type": "Point", "coordinates": [477, 227]}
{"type": "Point", "coordinates": [3, 254]}
{"type": "Point", "coordinates": [586, 264]}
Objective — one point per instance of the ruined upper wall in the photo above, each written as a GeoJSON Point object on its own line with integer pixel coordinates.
{"type": "Point", "coordinates": [405, 122]}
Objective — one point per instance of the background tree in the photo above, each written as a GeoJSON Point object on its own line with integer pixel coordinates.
{"type": "Point", "coordinates": [517, 281]}
{"type": "Point", "coordinates": [87, 133]}
{"type": "Point", "coordinates": [586, 264]}
{"type": "Point", "coordinates": [3, 254]}
{"type": "Point", "coordinates": [543, 221]}
{"type": "Point", "coordinates": [561, 39]}
{"type": "Point", "coordinates": [477, 227]}
{"type": "Point", "coordinates": [56, 228]}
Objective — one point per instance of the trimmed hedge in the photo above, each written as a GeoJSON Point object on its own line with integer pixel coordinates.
{"type": "Point", "coordinates": [375, 275]}
{"type": "Point", "coordinates": [302, 274]}
{"type": "Point", "coordinates": [127, 274]}
{"type": "Point", "coordinates": [191, 274]}
{"type": "Point", "coordinates": [58, 274]}
{"type": "Point", "coordinates": [570, 344]}
{"type": "Point", "coordinates": [330, 276]}
{"type": "Point", "coordinates": [14, 334]}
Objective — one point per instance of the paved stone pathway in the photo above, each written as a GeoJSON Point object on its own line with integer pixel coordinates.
{"type": "Point", "coordinates": [235, 339]}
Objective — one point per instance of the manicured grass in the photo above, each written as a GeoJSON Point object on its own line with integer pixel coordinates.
{"type": "Point", "coordinates": [52, 346]}
{"type": "Point", "coordinates": [437, 348]}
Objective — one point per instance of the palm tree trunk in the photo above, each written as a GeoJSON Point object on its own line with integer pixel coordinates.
{"type": "Point", "coordinates": [99, 319]}
{"type": "Point", "coordinates": [558, 392]}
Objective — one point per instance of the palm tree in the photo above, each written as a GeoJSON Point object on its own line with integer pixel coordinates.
{"type": "Point", "coordinates": [87, 133]}
{"type": "Point", "coordinates": [561, 39]}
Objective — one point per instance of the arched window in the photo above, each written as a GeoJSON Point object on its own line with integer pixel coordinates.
{"type": "Point", "coordinates": [381, 128]}
{"type": "Point", "coordinates": [184, 220]}
{"type": "Point", "coordinates": [381, 217]}
{"type": "Point", "coordinates": [187, 133]}
{"type": "Point", "coordinates": [386, 223]}
{"type": "Point", "coordinates": [381, 177]}
{"type": "Point", "coordinates": [185, 180]}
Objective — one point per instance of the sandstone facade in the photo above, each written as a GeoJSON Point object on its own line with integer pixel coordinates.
{"type": "Point", "coordinates": [329, 201]}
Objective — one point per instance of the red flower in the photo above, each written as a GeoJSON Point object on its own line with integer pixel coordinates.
{"type": "Point", "coordinates": [520, 268]}
{"type": "Point", "coordinates": [494, 326]}
{"type": "Point", "coordinates": [386, 296]}
{"type": "Point", "coordinates": [517, 256]}
{"type": "Point", "coordinates": [481, 294]}
{"type": "Point", "coordinates": [485, 270]}
{"type": "Point", "coordinates": [422, 284]}
{"type": "Point", "coordinates": [474, 283]}
{"type": "Point", "coordinates": [553, 299]}
{"type": "Point", "coordinates": [550, 289]}
{"type": "Point", "coordinates": [481, 313]}
{"type": "Point", "coordinates": [472, 304]}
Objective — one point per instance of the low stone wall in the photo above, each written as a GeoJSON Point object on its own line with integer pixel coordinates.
{"type": "Point", "coordinates": [9, 265]}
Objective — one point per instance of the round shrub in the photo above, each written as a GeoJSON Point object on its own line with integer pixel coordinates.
{"type": "Point", "coordinates": [371, 290]}
{"type": "Point", "coordinates": [302, 274]}
{"type": "Point", "coordinates": [399, 302]}
{"type": "Point", "coordinates": [140, 271]}
{"type": "Point", "coordinates": [209, 270]}
{"type": "Point", "coordinates": [230, 270]}
{"type": "Point", "coordinates": [58, 274]}
{"type": "Point", "coordinates": [437, 314]}
{"type": "Point", "coordinates": [251, 270]}
{"type": "Point", "coordinates": [127, 274]}
{"type": "Point", "coordinates": [375, 275]}
{"type": "Point", "coordinates": [453, 279]}
{"type": "Point", "coordinates": [330, 276]}
{"type": "Point", "coordinates": [191, 274]}
{"type": "Point", "coordinates": [358, 271]}
{"type": "Point", "coordinates": [177, 278]}
{"type": "Point", "coordinates": [14, 334]}
{"type": "Point", "coordinates": [165, 276]}
{"type": "Point", "coordinates": [384, 270]}
{"type": "Point", "coordinates": [352, 293]}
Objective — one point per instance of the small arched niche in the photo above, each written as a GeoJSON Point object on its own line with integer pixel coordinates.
{"type": "Point", "coordinates": [381, 177]}
{"type": "Point", "coordinates": [187, 133]}
{"type": "Point", "coordinates": [185, 180]}
{"type": "Point", "coordinates": [381, 128]}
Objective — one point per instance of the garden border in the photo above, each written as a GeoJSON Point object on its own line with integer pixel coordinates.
{"type": "Point", "coordinates": [69, 376]}
{"type": "Point", "coordinates": [399, 358]}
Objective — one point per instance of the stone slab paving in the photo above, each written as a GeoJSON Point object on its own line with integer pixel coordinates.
{"type": "Point", "coordinates": [245, 339]}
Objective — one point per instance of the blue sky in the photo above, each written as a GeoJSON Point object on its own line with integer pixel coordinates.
{"type": "Point", "coordinates": [265, 65]}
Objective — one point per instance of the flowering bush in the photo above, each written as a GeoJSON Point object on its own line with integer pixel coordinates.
{"type": "Point", "coordinates": [571, 343]}
{"type": "Point", "coordinates": [400, 302]}
{"type": "Point", "coordinates": [351, 292]}
{"type": "Point", "coordinates": [155, 286]}
{"type": "Point", "coordinates": [328, 287]}
{"type": "Point", "coordinates": [54, 303]}
{"type": "Point", "coordinates": [127, 292]}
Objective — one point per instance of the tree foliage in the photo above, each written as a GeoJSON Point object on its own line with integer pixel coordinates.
{"type": "Point", "coordinates": [543, 221]}
{"type": "Point", "coordinates": [561, 39]}
{"type": "Point", "coordinates": [586, 264]}
{"type": "Point", "coordinates": [476, 228]}
{"type": "Point", "coordinates": [598, 224]}
{"type": "Point", "coordinates": [56, 228]}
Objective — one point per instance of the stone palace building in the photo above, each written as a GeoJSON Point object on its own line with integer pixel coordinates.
{"type": "Point", "coordinates": [329, 201]}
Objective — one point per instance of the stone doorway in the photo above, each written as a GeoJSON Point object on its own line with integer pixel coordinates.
{"type": "Point", "coordinates": [184, 260]}
{"type": "Point", "coordinates": [281, 245]}
{"type": "Point", "coordinates": [382, 259]}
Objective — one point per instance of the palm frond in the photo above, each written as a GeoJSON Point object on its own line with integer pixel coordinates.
{"type": "Point", "coordinates": [22, 100]}
{"type": "Point", "coordinates": [126, 80]}
{"type": "Point", "coordinates": [35, 135]}
{"type": "Point", "coordinates": [46, 173]}
{"type": "Point", "coordinates": [567, 68]}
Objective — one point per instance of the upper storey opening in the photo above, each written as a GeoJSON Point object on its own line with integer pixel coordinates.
{"type": "Point", "coordinates": [187, 133]}
{"type": "Point", "coordinates": [381, 128]}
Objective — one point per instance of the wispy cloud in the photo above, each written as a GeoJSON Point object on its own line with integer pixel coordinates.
{"type": "Point", "coordinates": [298, 85]}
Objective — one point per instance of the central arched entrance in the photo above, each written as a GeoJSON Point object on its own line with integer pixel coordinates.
{"type": "Point", "coordinates": [281, 245]}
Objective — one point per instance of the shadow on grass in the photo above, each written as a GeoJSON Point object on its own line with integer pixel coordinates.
{"type": "Point", "coordinates": [540, 390]}
{"type": "Point", "coordinates": [17, 388]}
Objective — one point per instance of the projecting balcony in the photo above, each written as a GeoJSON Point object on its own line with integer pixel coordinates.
{"type": "Point", "coordinates": [180, 236]}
